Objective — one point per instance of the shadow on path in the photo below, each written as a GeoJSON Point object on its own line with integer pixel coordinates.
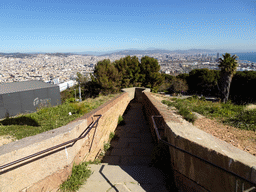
{"type": "Point", "coordinates": [127, 164]}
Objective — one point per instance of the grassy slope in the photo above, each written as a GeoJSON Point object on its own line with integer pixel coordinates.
{"type": "Point", "coordinates": [235, 115]}
{"type": "Point", "coordinates": [49, 118]}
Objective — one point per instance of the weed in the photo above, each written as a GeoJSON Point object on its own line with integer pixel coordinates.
{"type": "Point", "coordinates": [106, 146]}
{"type": "Point", "coordinates": [111, 136]}
{"type": "Point", "coordinates": [96, 161]}
{"type": "Point", "coordinates": [121, 120]}
{"type": "Point", "coordinates": [79, 175]}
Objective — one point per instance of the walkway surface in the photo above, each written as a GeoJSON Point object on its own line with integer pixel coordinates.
{"type": "Point", "coordinates": [126, 166]}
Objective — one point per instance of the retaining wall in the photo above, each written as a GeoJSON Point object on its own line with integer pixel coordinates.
{"type": "Point", "coordinates": [47, 172]}
{"type": "Point", "coordinates": [190, 173]}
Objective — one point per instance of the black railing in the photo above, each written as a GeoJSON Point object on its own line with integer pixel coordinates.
{"type": "Point", "coordinates": [208, 162]}
{"type": "Point", "coordinates": [83, 135]}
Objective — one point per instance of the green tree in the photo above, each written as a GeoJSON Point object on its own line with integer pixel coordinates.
{"type": "Point", "coordinates": [228, 66]}
{"type": "Point", "coordinates": [203, 81]}
{"type": "Point", "coordinates": [107, 77]}
{"type": "Point", "coordinates": [81, 78]}
{"type": "Point", "coordinates": [150, 75]}
{"type": "Point", "coordinates": [178, 86]}
{"type": "Point", "coordinates": [129, 69]}
{"type": "Point", "coordinates": [241, 87]}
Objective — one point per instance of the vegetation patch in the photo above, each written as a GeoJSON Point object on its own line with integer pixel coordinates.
{"type": "Point", "coordinates": [183, 110]}
{"type": "Point", "coordinates": [80, 173]}
{"type": "Point", "coordinates": [235, 115]}
{"type": "Point", "coordinates": [121, 120]}
{"type": "Point", "coordinates": [49, 118]}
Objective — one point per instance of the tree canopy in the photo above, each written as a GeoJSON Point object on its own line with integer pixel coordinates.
{"type": "Point", "coordinates": [107, 76]}
{"type": "Point", "coordinates": [127, 72]}
{"type": "Point", "coordinates": [203, 81]}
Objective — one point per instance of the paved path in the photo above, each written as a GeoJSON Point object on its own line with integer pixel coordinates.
{"type": "Point", "coordinates": [126, 166]}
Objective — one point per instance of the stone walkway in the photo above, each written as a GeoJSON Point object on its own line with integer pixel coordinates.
{"type": "Point", "coordinates": [126, 166]}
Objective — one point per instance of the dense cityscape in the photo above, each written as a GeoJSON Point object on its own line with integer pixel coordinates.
{"type": "Point", "coordinates": [59, 68]}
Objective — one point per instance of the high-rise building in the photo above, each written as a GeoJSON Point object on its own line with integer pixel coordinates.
{"type": "Point", "coordinates": [218, 55]}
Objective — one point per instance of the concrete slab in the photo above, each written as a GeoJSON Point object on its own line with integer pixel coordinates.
{"type": "Point", "coordinates": [124, 178]}
{"type": "Point", "coordinates": [119, 187]}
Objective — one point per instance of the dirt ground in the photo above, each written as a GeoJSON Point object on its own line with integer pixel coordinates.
{"type": "Point", "coordinates": [242, 139]}
{"type": "Point", "coordinates": [6, 139]}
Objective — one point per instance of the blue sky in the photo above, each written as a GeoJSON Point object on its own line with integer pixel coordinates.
{"type": "Point", "coordinates": [84, 25]}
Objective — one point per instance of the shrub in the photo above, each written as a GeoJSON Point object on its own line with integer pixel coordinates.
{"type": "Point", "coordinates": [244, 120]}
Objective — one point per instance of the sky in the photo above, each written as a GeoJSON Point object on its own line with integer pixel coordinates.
{"type": "Point", "coordinates": [85, 25]}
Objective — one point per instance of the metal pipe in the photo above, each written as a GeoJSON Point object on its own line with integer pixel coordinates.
{"type": "Point", "coordinates": [51, 148]}
{"type": "Point", "coordinates": [184, 151]}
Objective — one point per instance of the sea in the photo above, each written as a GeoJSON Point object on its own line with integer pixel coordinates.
{"type": "Point", "coordinates": [249, 56]}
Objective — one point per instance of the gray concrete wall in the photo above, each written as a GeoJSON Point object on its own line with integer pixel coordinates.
{"type": "Point", "coordinates": [47, 172]}
{"type": "Point", "coordinates": [190, 173]}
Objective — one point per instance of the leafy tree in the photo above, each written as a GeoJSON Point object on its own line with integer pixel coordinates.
{"type": "Point", "coordinates": [178, 86]}
{"type": "Point", "coordinates": [107, 77]}
{"type": "Point", "coordinates": [81, 78]}
{"type": "Point", "coordinates": [228, 66]}
{"type": "Point", "coordinates": [150, 74]}
{"type": "Point", "coordinates": [168, 77]}
{"type": "Point", "coordinates": [183, 76]}
{"type": "Point", "coordinates": [241, 88]}
{"type": "Point", "coordinates": [203, 81]}
{"type": "Point", "coordinates": [164, 87]}
{"type": "Point", "coordinates": [129, 69]}
{"type": "Point", "coordinates": [91, 89]}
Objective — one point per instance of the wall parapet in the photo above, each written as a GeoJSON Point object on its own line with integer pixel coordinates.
{"type": "Point", "coordinates": [190, 173]}
{"type": "Point", "coordinates": [47, 172]}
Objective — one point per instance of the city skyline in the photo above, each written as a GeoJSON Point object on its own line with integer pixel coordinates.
{"type": "Point", "coordinates": [62, 26]}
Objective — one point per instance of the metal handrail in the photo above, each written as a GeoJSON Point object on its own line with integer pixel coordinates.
{"type": "Point", "coordinates": [83, 135]}
{"type": "Point", "coordinates": [184, 151]}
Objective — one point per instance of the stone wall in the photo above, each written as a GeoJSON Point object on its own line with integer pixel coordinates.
{"type": "Point", "coordinates": [190, 173]}
{"type": "Point", "coordinates": [48, 171]}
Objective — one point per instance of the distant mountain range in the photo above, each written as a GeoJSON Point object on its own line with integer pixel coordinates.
{"type": "Point", "coordinates": [147, 51]}
{"type": "Point", "coordinates": [123, 52]}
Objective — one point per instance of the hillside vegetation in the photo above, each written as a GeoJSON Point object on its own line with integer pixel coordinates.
{"type": "Point", "coordinates": [49, 118]}
{"type": "Point", "coordinates": [239, 116]}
